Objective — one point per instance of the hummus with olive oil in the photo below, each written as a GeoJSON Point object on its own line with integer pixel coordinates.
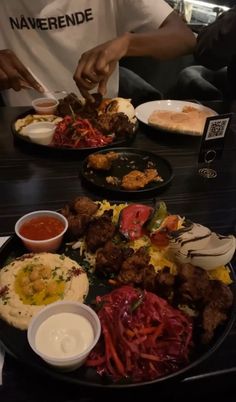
{"type": "Point", "coordinates": [32, 281]}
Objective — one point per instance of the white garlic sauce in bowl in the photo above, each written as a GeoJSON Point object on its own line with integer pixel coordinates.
{"type": "Point", "coordinates": [64, 335]}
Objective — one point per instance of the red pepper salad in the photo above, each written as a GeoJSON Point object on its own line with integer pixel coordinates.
{"type": "Point", "coordinates": [75, 132]}
{"type": "Point", "coordinates": [143, 337]}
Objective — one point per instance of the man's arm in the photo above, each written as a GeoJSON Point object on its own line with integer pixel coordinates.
{"type": "Point", "coordinates": [13, 74]}
{"type": "Point", "coordinates": [171, 40]}
{"type": "Point", "coordinates": [216, 43]}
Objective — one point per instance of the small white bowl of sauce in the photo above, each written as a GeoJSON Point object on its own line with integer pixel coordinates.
{"type": "Point", "coordinates": [41, 231]}
{"type": "Point", "coordinates": [41, 132]}
{"type": "Point", "coordinates": [64, 333]}
{"type": "Point", "coordinates": [45, 105]}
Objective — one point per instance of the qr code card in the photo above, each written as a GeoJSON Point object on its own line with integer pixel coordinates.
{"type": "Point", "coordinates": [213, 138]}
{"type": "Point", "coordinates": [217, 127]}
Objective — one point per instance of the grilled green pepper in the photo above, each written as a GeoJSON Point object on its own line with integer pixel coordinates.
{"type": "Point", "coordinates": [159, 214]}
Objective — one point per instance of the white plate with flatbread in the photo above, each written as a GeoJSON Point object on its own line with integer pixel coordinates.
{"type": "Point", "coordinates": [175, 116]}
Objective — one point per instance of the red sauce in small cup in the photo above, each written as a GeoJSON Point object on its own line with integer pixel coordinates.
{"type": "Point", "coordinates": [41, 228]}
{"type": "Point", "coordinates": [46, 104]}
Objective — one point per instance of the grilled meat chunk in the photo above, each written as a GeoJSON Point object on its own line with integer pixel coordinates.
{"type": "Point", "coordinates": [115, 123]}
{"type": "Point", "coordinates": [71, 104]}
{"type": "Point", "coordinates": [218, 299]}
{"type": "Point", "coordinates": [104, 123]}
{"type": "Point", "coordinates": [133, 268]}
{"type": "Point", "coordinates": [68, 105]}
{"type": "Point", "coordinates": [194, 283]}
{"type": "Point", "coordinates": [78, 214]}
{"type": "Point", "coordinates": [211, 319]}
{"type": "Point", "coordinates": [84, 206]}
{"type": "Point", "coordinates": [164, 283]}
{"type": "Point", "coordinates": [99, 231]}
{"type": "Point", "coordinates": [121, 124]}
{"type": "Point", "coordinates": [109, 258]}
{"type": "Point", "coordinates": [149, 278]}
{"type": "Point", "coordinates": [66, 210]}
{"type": "Point", "coordinates": [219, 295]}
{"type": "Point", "coordinates": [90, 109]}
{"type": "Point", "coordinates": [212, 298]}
{"type": "Point", "coordinates": [77, 225]}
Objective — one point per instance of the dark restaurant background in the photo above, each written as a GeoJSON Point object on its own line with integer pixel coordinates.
{"type": "Point", "coordinates": [202, 11]}
{"type": "Point", "coordinates": [164, 75]}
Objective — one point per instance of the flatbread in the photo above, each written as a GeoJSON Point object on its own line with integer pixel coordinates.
{"type": "Point", "coordinates": [189, 120]}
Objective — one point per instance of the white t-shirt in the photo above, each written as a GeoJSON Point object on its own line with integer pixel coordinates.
{"type": "Point", "coordinates": [49, 36]}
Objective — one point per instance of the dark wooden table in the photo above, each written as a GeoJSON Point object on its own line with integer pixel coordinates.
{"type": "Point", "coordinates": [31, 179]}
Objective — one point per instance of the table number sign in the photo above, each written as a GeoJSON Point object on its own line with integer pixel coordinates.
{"type": "Point", "coordinates": [212, 144]}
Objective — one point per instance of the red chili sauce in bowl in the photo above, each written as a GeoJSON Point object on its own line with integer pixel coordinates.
{"type": "Point", "coordinates": [46, 104]}
{"type": "Point", "coordinates": [41, 228]}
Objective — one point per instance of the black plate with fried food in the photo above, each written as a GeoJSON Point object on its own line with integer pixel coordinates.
{"type": "Point", "coordinates": [126, 171]}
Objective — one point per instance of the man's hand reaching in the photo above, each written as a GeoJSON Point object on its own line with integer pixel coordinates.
{"type": "Point", "coordinates": [13, 74]}
{"type": "Point", "coordinates": [96, 65]}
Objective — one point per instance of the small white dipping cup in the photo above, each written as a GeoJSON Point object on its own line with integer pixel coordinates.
{"type": "Point", "coordinates": [41, 132]}
{"type": "Point", "coordinates": [66, 363]}
{"type": "Point", "coordinates": [38, 246]}
{"type": "Point", "coordinates": [40, 105]}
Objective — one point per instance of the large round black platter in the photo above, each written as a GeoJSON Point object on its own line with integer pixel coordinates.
{"type": "Point", "coordinates": [15, 340]}
{"type": "Point", "coordinates": [128, 160]}
{"type": "Point", "coordinates": [124, 139]}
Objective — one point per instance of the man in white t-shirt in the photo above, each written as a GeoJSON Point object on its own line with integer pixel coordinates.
{"type": "Point", "coordinates": [43, 40]}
